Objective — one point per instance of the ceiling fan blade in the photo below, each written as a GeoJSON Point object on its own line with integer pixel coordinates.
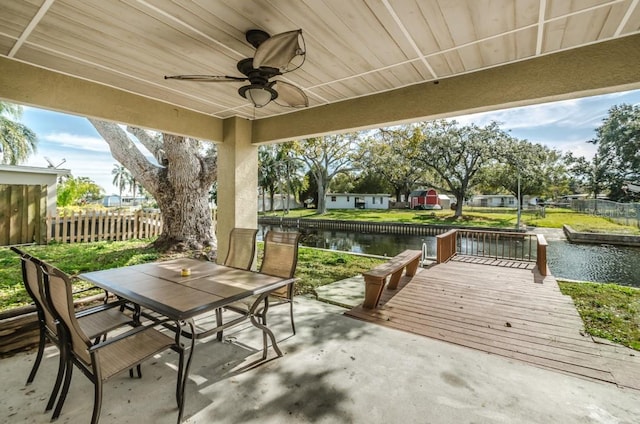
{"type": "Point", "coordinates": [206, 78]}
{"type": "Point", "coordinates": [289, 95]}
{"type": "Point", "coordinates": [278, 51]}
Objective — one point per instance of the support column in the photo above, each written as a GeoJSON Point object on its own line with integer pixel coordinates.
{"type": "Point", "coordinates": [237, 181]}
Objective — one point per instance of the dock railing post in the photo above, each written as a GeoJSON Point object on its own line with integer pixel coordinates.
{"type": "Point", "coordinates": [445, 246]}
{"type": "Point", "coordinates": [541, 257]}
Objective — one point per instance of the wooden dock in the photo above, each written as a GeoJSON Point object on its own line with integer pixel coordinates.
{"type": "Point", "coordinates": [506, 309]}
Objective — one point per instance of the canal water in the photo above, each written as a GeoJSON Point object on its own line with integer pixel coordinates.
{"type": "Point", "coordinates": [584, 262]}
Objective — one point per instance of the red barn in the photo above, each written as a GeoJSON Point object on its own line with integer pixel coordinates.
{"type": "Point", "coordinates": [424, 199]}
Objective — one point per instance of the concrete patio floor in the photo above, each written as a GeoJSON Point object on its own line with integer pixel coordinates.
{"type": "Point", "coordinates": [335, 370]}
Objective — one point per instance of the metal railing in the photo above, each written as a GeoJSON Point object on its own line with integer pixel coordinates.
{"type": "Point", "coordinates": [621, 213]}
{"type": "Point", "coordinates": [516, 246]}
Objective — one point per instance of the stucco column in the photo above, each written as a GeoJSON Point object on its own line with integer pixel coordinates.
{"type": "Point", "coordinates": [237, 181]}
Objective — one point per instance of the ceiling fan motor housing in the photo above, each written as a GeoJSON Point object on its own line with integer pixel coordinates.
{"type": "Point", "coordinates": [255, 37]}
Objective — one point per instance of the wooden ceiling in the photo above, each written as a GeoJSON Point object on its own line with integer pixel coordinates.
{"type": "Point", "coordinates": [354, 48]}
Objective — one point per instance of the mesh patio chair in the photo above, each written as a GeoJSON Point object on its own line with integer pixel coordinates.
{"type": "Point", "coordinates": [242, 248]}
{"type": "Point", "coordinates": [242, 251]}
{"type": "Point", "coordinates": [96, 322]}
{"type": "Point", "coordinates": [102, 361]}
{"type": "Point", "coordinates": [280, 259]}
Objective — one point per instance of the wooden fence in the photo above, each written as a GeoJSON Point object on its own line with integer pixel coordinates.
{"type": "Point", "coordinates": [89, 226]}
{"type": "Point", "coordinates": [22, 214]}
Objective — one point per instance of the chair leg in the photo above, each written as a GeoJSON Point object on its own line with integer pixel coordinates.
{"type": "Point", "coordinates": [182, 381]}
{"type": "Point", "coordinates": [65, 388]}
{"type": "Point", "coordinates": [293, 325]}
{"type": "Point", "coordinates": [179, 391]}
{"type": "Point", "coordinates": [219, 334]}
{"type": "Point", "coordinates": [56, 387]}
{"type": "Point", "coordinates": [39, 355]}
{"type": "Point", "coordinates": [97, 402]}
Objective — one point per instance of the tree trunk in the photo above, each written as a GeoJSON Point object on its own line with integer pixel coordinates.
{"type": "Point", "coordinates": [186, 217]}
{"type": "Point", "coordinates": [322, 204]}
{"type": "Point", "coordinates": [459, 200]}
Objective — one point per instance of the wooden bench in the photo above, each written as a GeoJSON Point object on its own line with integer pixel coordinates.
{"type": "Point", "coordinates": [375, 278]}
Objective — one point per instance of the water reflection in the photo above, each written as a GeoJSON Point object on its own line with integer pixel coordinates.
{"type": "Point", "coordinates": [603, 263]}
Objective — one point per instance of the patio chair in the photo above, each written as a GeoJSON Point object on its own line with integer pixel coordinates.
{"type": "Point", "coordinates": [280, 259]}
{"type": "Point", "coordinates": [96, 321]}
{"type": "Point", "coordinates": [102, 361]}
{"type": "Point", "coordinates": [242, 248]}
{"type": "Point", "coordinates": [242, 251]}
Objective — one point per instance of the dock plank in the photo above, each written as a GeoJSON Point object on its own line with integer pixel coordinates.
{"type": "Point", "coordinates": [503, 308]}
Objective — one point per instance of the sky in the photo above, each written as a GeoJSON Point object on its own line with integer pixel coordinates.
{"type": "Point", "coordinates": [565, 126]}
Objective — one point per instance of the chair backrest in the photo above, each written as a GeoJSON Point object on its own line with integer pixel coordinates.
{"type": "Point", "coordinates": [59, 294]}
{"type": "Point", "coordinates": [280, 257]}
{"type": "Point", "coordinates": [242, 248]}
{"type": "Point", "coordinates": [33, 282]}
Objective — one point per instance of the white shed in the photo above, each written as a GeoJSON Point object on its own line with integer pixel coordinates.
{"type": "Point", "coordinates": [30, 175]}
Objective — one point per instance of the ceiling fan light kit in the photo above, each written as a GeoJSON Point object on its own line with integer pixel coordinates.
{"type": "Point", "coordinates": [259, 95]}
{"type": "Point", "coordinates": [274, 56]}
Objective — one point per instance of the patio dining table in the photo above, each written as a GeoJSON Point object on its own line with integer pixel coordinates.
{"type": "Point", "coordinates": [166, 289]}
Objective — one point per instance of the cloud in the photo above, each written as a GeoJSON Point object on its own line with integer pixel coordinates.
{"type": "Point", "coordinates": [74, 141]}
{"type": "Point", "coordinates": [582, 113]}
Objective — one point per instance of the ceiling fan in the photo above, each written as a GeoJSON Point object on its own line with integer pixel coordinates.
{"type": "Point", "coordinates": [274, 56]}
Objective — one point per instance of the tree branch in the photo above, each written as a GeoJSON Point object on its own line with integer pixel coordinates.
{"type": "Point", "coordinates": [126, 152]}
{"type": "Point", "coordinates": [154, 145]}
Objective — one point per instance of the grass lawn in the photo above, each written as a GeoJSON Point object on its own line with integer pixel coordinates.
{"type": "Point", "coordinates": [473, 217]}
{"type": "Point", "coordinates": [72, 259]}
{"type": "Point", "coordinates": [608, 311]}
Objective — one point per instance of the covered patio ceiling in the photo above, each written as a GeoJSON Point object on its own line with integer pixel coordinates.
{"type": "Point", "coordinates": [368, 63]}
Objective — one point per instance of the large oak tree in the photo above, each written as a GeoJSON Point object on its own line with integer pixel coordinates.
{"type": "Point", "coordinates": [393, 154]}
{"type": "Point", "coordinates": [180, 181]}
{"type": "Point", "coordinates": [618, 141]}
{"type": "Point", "coordinates": [456, 154]}
{"type": "Point", "coordinates": [327, 156]}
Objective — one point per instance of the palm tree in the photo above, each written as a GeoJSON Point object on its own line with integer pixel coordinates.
{"type": "Point", "coordinates": [133, 186]}
{"type": "Point", "coordinates": [121, 178]}
{"type": "Point", "coordinates": [17, 142]}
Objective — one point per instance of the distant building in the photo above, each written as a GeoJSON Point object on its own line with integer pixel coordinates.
{"type": "Point", "coordinates": [494, 201]}
{"type": "Point", "coordinates": [429, 199]}
{"type": "Point", "coordinates": [444, 201]}
{"type": "Point", "coordinates": [356, 201]}
{"type": "Point", "coordinates": [127, 201]}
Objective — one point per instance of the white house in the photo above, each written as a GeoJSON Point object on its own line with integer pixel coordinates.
{"type": "Point", "coordinates": [31, 176]}
{"type": "Point", "coordinates": [357, 201]}
{"type": "Point", "coordinates": [494, 201]}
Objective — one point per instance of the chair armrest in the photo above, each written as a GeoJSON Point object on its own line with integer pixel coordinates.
{"type": "Point", "coordinates": [133, 331]}
{"type": "Point", "coordinates": [100, 308]}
